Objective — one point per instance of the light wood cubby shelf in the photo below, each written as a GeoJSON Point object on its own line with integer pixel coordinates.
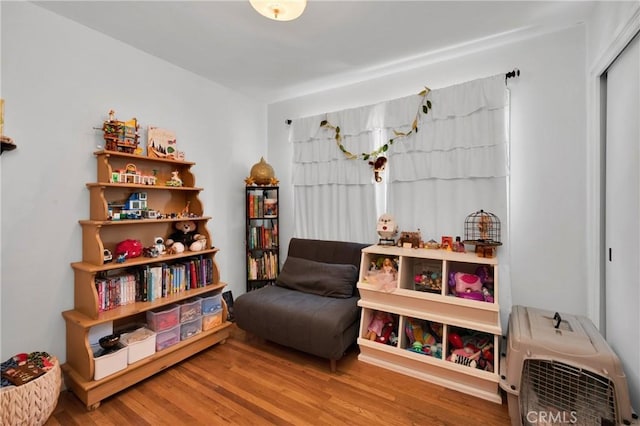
{"type": "Point", "coordinates": [453, 315]}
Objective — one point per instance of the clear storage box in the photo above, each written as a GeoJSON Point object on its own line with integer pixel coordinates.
{"type": "Point", "coordinates": [211, 304]}
{"type": "Point", "coordinates": [191, 328]}
{"type": "Point", "coordinates": [211, 320]}
{"type": "Point", "coordinates": [190, 310]}
{"type": "Point", "coordinates": [167, 338]}
{"type": "Point", "coordinates": [164, 318]}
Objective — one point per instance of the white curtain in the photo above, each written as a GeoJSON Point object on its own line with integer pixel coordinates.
{"type": "Point", "coordinates": [457, 164]}
{"type": "Point", "coordinates": [334, 197]}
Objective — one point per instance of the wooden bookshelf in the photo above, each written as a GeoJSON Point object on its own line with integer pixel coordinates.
{"type": "Point", "coordinates": [101, 232]}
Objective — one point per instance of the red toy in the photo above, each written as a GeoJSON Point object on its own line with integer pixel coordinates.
{"type": "Point", "coordinates": [129, 248]}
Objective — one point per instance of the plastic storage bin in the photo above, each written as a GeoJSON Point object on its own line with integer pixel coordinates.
{"type": "Point", "coordinates": [164, 318]}
{"type": "Point", "coordinates": [190, 310]}
{"type": "Point", "coordinates": [191, 328]}
{"type": "Point", "coordinates": [141, 343]}
{"type": "Point", "coordinates": [167, 338]}
{"type": "Point", "coordinates": [211, 320]}
{"type": "Point", "coordinates": [106, 365]}
{"type": "Point", "coordinates": [211, 304]}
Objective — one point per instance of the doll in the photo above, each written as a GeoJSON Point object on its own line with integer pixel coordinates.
{"type": "Point", "coordinates": [379, 320]}
{"type": "Point", "coordinates": [388, 275]}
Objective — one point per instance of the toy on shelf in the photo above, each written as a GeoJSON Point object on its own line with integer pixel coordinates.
{"type": "Point", "coordinates": [427, 277]}
{"type": "Point", "coordinates": [387, 229]}
{"type": "Point", "coordinates": [471, 349]}
{"type": "Point", "coordinates": [381, 328]}
{"type": "Point", "coordinates": [130, 174]}
{"type": "Point", "coordinates": [129, 249]}
{"type": "Point", "coordinates": [121, 136]}
{"type": "Point", "coordinates": [384, 273]}
{"type": "Point", "coordinates": [134, 207]}
{"type": "Point", "coordinates": [410, 239]}
{"type": "Point", "coordinates": [472, 286]}
{"type": "Point", "coordinates": [175, 179]}
{"type": "Point", "coordinates": [425, 337]}
{"type": "Point", "coordinates": [185, 238]}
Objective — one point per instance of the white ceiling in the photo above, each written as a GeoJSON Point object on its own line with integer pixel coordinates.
{"type": "Point", "coordinates": [332, 43]}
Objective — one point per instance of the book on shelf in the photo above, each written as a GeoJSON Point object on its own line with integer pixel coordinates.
{"type": "Point", "coordinates": [263, 267]}
{"type": "Point", "coordinates": [152, 282]}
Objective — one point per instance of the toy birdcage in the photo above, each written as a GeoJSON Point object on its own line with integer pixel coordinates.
{"type": "Point", "coordinates": [482, 229]}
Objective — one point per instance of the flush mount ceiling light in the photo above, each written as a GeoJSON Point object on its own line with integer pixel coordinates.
{"type": "Point", "coordinates": [279, 10]}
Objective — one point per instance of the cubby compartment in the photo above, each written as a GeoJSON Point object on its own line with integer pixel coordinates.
{"type": "Point", "coordinates": [471, 281]}
{"type": "Point", "coordinates": [422, 336]}
{"type": "Point", "coordinates": [423, 275]}
{"type": "Point", "coordinates": [471, 348]}
{"type": "Point", "coordinates": [380, 327]}
{"type": "Point", "coordinates": [380, 270]}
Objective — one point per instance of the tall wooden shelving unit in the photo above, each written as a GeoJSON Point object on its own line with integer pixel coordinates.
{"type": "Point", "coordinates": [100, 233]}
{"type": "Point", "coordinates": [451, 314]}
{"type": "Point", "coordinates": [262, 239]}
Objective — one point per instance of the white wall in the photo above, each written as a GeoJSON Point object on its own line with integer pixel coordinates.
{"type": "Point", "coordinates": [547, 154]}
{"type": "Point", "coordinates": [59, 80]}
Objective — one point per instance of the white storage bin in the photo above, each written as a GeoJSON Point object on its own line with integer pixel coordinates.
{"type": "Point", "coordinates": [141, 344]}
{"type": "Point", "coordinates": [106, 365]}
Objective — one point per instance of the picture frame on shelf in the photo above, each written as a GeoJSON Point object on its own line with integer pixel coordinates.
{"type": "Point", "coordinates": [161, 143]}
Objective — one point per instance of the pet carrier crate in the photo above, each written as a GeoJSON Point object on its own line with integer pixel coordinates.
{"type": "Point", "coordinates": [560, 370]}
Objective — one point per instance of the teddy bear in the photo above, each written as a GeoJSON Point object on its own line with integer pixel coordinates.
{"type": "Point", "coordinates": [185, 237]}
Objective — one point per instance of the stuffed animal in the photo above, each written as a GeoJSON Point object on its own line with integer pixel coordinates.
{"type": "Point", "coordinates": [187, 236]}
{"type": "Point", "coordinates": [378, 167]}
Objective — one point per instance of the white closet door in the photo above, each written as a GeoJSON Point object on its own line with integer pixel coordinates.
{"type": "Point", "coordinates": [622, 294]}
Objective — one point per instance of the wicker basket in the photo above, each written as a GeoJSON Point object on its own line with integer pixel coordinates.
{"type": "Point", "coordinates": [33, 402]}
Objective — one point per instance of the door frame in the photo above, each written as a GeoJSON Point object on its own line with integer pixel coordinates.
{"type": "Point", "coordinates": [596, 140]}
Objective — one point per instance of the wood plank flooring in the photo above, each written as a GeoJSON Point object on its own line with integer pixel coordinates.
{"type": "Point", "coordinates": [247, 381]}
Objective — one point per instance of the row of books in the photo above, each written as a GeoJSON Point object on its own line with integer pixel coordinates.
{"type": "Point", "coordinates": [262, 205]}
{"type": "Point", "coordinates": [152, 282]}
{"type": "Point", "coordinates": [261, 237]}
{"type": "Point", "coordinates": [264, 267]}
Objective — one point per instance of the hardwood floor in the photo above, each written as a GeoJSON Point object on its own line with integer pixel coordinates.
{"type": "Point", "coordinates": [247, 381]}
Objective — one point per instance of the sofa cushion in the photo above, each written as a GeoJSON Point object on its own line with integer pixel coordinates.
{"type": "Point", "coordinates": [323, 279]}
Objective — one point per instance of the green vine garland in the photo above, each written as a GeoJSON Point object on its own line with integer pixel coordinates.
{"type": "Point", "coordinates": [425, 106]}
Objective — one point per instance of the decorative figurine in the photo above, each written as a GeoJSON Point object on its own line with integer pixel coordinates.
{"type": "Point", "coordinates": [261, 174]}
{"type": "Point", "coordinates": [387, 229]}
{"type": "Point", "coordinates": [175, 179]}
